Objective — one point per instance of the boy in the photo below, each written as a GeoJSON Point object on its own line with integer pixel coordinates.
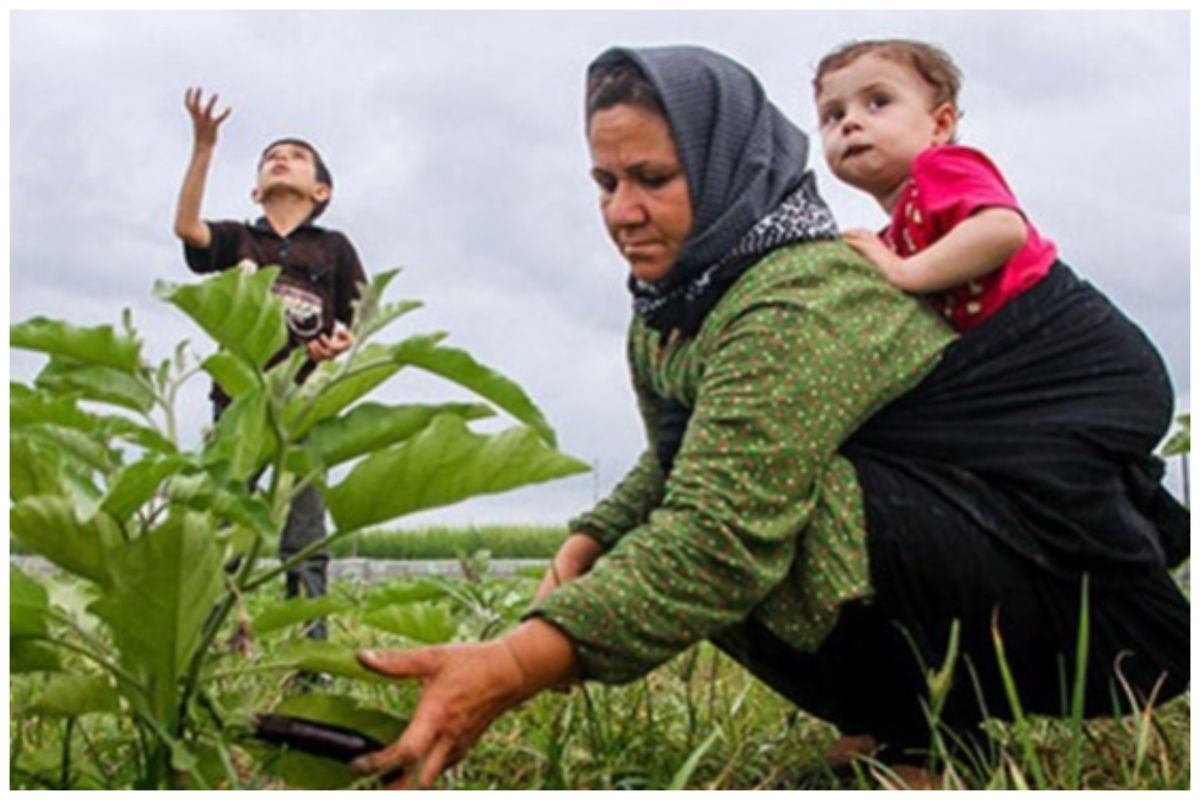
{"type": "Point", "coordinates": [319, 279]}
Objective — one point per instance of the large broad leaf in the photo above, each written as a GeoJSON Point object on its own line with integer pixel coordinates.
{"type": "Point", "coordinates": [443, 464]}
{"type": "Point", "coordinates": [34, 467]}
{"type": "Point", "coordinates": [28, 605]}
{"type": "Point", "coordinates": [332, 387]}
{"type": "Point", "coordinates": [130, 431]}
{"type": "Point", "coordinates": [131, 390]}
{"type": "Point", "coordinates": [305, 771]}
{"type": "Point", "coordinates": [237, 309]}
{"type": "Point", "coordinates": [427, 623]}
{"type": "Point", "coordinates": [460, 367]}
{"type": "Point", "coordinates": [33, 407]}
{"type": "Point", "coordinates": [163, 588]}
{"type": "Point", "coordinates": [242, 436]}
{"type": "Point", "coordinates": [335, 659]}
{"type": "Point", "coordinates": [28, 655]}
{"type": "Point", "coordinates": [399, 592]}
{"type": "Point", "coordinates": [100, 345]}
{"type": "Point", "coordinates": [231, 373]}
{"type": "Point", "coordinates": [76, 445]}
{"type": "Point", "coordinates": [297, 610]}
{"type": "Point", "coordinates": [233, 503]}
{"type": "Point", "coordinates": [371, 426]}
{"type": "Point", "coordinates": [136, 484]}
{"type": "Point", "coordinates": [48, 526]}
{"type": "Point", "coordinates": [74, 696]}
{"type": "Point", "coordinates": [371, 314]}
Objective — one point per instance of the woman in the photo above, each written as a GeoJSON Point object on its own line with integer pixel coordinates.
{"type": "Point", "coordinates": [827, 485]}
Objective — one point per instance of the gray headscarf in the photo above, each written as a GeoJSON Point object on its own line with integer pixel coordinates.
{"type": "Point", "coordinates": [747, 178]}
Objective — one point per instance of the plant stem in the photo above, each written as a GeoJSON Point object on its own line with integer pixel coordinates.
{"type": "Point", "coordinates": [65, 779]}
{"type": "Point", "coordinates": [260, 579]}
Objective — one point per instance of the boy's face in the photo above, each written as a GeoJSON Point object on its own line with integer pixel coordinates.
{"type": "Point", "coordinates": [290, 168]}
{"type": "Point", "coordinates": [876, 115]}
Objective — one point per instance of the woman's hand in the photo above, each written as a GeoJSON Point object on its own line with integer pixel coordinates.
{"type": "Point", "coordinates": [204, 123]}
{"type": "Point", "coordinates": [574, 558]}
{"type": "Point", "coordinates": [464, 687]}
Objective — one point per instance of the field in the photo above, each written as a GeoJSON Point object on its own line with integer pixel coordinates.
{"type": "Point", "coordinates": [699, 722]}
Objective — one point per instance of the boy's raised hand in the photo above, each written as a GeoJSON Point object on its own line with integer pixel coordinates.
{"type": "Point", "coordinates": [204, 123]}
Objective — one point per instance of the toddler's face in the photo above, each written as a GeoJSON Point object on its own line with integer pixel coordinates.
{"type": "Point", "coordinates": [876, 115]}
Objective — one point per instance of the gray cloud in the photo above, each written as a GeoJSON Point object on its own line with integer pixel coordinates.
{"type": "Point", "coordinates": [456, 145]}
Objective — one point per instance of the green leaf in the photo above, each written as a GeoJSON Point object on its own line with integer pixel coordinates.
{"type": "Point", "coordinates": [399, 592]}
{"type": "Point", "coordinates": [233, 503]}
{"type": "Point", "coordinates": [461, 368]}
{"type": "Point", "coordinates": [134, 486]}
{"type": "Point", "coordinates": [232, 374]}
{"type": "Point", "coordinates": [297, 610]}
{"type": "Point", "coordinates": [235, 308]}
{"type": "Point", "coordinates": [30, 407]}
{"type": "Point", "coordinates": [27, 655]}
{"type": "Point", "coordinates": [75, 445]}
{"type": "Point", "coordinates": [370, 313]}
{"type": "Point", "coordinates": [427, 623]}
{"type": "Point", "coordinates": [28, 605]}
{"type": "Point", "coordinates": [99, 345]}
{"type": "Point", "coordinates": [335, 659]}
{"type": "Point", "coordinates": [33, 468]}
{"type": "Point", "coordinates": [102, 384]}
{"type": "Point", "coordinates": [75, 695]}
{"type": "Point", "coordinates": [1181, 441]}
{"type": "Point", "coordinates": [371, 426]}
{"type": "Point", "coordinates": [48, 526]}
{"type": "Point", "coordinates": [329, 388]}
{"type": "Point", "coordinates": [130, 431]}
{"type": "Point", "coordinates": [242, 436]}
{"type": "Point", "coordinates": [443, 464]}
{"type": "Point", "coordinates": [163, 588]}
{"type": "Point", "coordinates": [684, 773]}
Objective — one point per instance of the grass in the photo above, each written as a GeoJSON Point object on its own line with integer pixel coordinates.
{"type": "Point", "coordinates": [698, 722]}
{"type": "Point", "coordinates": [502, 541]}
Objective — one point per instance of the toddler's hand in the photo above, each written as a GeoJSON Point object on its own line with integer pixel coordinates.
{"type": "Point", "coordinates": [204, 123]}
{"type": "Point", "coordinates": [325, 347]}
{"type": "Point", "coordinates": [868, 245]}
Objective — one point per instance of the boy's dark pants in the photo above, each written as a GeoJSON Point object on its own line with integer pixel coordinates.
{"type": "Point", "coordinates": [305, 525]}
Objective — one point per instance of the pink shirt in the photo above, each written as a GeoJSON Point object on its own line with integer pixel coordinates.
{"type": "Point", "coordinates": [948, 184]}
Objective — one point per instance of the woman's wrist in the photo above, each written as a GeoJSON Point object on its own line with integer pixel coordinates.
{"type": "Point", "coordinates": [543, 653]}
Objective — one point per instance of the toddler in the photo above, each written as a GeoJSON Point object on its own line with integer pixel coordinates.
{"type": "Point", "coordinates": [888, 111]}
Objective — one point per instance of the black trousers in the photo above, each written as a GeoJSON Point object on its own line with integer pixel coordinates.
{"type": "Point", "coordinates": [869, 674]}
{"type": "Point", "coordinates": [305, 524]}
{"type": "Point", "coordinates": [1020, 464]}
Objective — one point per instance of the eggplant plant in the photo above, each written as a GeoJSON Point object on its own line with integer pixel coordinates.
{"type": "Point", "coordinates": [102, 488]}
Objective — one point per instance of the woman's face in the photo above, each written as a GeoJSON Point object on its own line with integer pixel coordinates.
{"type": "Point", "coordinates": [643, 188]}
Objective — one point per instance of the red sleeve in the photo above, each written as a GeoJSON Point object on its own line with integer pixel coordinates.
{"type": "Point", "coordinates": [954, 182]}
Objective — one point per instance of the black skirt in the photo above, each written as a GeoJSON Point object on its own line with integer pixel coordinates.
{"type": "Point", "coordinates": [1020, 464]}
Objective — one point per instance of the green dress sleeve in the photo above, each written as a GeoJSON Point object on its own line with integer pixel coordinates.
{"type": "Point", "coordinates": [790, 362]}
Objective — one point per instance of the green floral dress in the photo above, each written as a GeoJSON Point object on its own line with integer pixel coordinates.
{"type": "Point", "coordinates": [761, 516]}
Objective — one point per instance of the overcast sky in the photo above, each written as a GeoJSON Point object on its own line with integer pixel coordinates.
{"type": "Point", "coordinates": [456, 146]}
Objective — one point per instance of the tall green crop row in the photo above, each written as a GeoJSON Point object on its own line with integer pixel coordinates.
{"type": "Point", "coordinates": [101, 487]}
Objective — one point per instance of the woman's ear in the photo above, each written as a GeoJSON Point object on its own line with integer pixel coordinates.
{"type": "Point", "coordinates": [321, 192]}
{"type": "Point", "coordinates": [945, 123]}
{"type": "Point", "coordinates": [256, 195]}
